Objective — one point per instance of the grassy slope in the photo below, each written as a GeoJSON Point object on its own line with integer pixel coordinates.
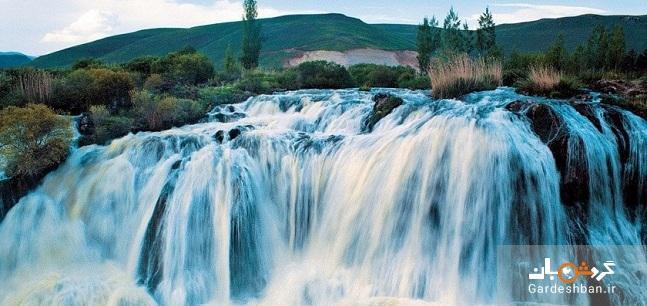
{"type": "Point", "coordinates": [284, 35]}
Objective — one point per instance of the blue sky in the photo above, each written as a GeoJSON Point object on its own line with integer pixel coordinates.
{"type": "Point", "coordinates": [38, 27]}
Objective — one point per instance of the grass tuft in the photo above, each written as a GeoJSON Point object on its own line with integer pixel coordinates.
{"type": "Point", "coordinates": [461, 75]}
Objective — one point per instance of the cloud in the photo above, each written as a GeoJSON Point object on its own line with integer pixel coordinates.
{"type": "Point", "coordinates": [92, 25]}
{"type": "Point", "coordinates": [520, 12]}
{"type": "Point", "coordinates": [101, 18]}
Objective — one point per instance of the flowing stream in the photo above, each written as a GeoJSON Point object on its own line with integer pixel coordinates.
{"type": "Point", "coordinates": [290, 202]}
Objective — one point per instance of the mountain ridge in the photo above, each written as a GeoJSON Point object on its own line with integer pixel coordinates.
{"type": "Point", "coordinates": [286, 35]}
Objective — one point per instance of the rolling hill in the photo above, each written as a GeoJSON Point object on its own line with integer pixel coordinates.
{"type": "Point", "coordinates": [288, 36]}
{"type": "Point", "coordinates": [13, 59]}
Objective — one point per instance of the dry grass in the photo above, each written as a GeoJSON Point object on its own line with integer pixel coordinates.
{"type": "Point", "coordinates": [544, 79]}
{"type": "Point", "coordinates": [461, 75]}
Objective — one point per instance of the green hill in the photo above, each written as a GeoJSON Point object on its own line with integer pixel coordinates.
{"type": "Point", "coordinates": [13, 59]}
{"type": "Point", "coordinates": [286, 35]}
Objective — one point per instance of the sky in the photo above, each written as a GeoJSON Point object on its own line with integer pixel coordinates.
{"type": "Point", "coordinates": [37, 27]}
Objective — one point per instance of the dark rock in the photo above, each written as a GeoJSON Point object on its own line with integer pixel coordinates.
{"type": "Point", "coordinates": [219, 136]}
{"type": "Point", "coordinates": [517, 106]}
{"type": "Point", "coordinates": [587, 111]}
{"type": "Point", "coordinates": [552, 130]}
{"type": "Point", "coordinates": [233, 133]}
{"type": "Point", "coordinates": [634, 188]}
{"type": "Point", "coordinates": [384, 105]}
{"type": "Point", "coordinates": [85, 124]}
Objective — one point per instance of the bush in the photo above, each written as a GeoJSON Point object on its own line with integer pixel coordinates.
{"type": "Point", "coordinates": [210, 97]}
{"type": "Point", "coordinates": [187, 67]}
{"type": "Point", "coordinates": [256, 82]}
{"type": "Point", "coordinates": [376, 75]}
{"type": "Point", "coordinates": [322, 74]}
{"type": "Point", "coordinates": [461, 75]}
{"type": "Point", "coordinates": [8, 95]}
{"type": "Point", "coordinates": [414, 81]}
{"type": "Point", "coordinates": [111, 127]}
{"type": "Point", "coordinates": [111, 88]}
{"type": "Point", "coordinates": [143, 65]}
{"type": "Point", "coordinates": [85, 87]}
{"type": "Point", "coordinates": [155, 113]}
{"type": "Point", "coordinates": [33, 140]}
{"type": "Point", "coordinates": [73, 93]}
{"type": "Point", "coordinates": [155, 84]}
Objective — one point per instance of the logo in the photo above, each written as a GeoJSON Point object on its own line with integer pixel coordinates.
{"type": "Point", "coordinates": [568, 272]}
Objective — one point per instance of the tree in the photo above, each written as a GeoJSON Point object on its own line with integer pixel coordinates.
{"type": "Point", "coordinates": [452, 38]}
{"type": "Point", "coordinates": [617, 48]}
{"type": "Point", "coordinates": [427, 42]}
{"type": "Point", "coordinates": [555, 56]}
{"type": "Point", "coordinates": [251, 48]}
{"type": "Point", "coordinates": [467, 39]}
{"type": "Point", "coordinates": [33, 139]}
{"type": "Point", "coordinates": [486, 34]}
{"type": "Point", "coordinates": [597, 47]}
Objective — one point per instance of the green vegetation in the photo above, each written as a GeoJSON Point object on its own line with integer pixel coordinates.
{"type": "Point", "coordinates": [251, 45]}
{"type": "Point", "coordinates": [33, 139]}
{"type": "Point", "coordinates": [176, 85]}
{"type": "Point", "coordinates": [284, 35]}
{"type": "Point", "coordinates": [427, 42]}
{"type": "Point", "coordinates": [371, 75]}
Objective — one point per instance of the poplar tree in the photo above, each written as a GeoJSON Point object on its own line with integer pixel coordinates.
{"type": "Point", "coordinates": [251, 46]}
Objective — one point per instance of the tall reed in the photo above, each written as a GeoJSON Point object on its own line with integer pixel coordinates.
{"type": "Point", "coordinates": [35, 85]}
{"type": "Point", "coordinates": [544, 78]}
{"type": "Point", "coordinates": [461, 74]}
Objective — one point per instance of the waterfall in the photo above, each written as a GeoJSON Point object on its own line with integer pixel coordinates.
{"type": "Point", "coordinates": [284, 200]}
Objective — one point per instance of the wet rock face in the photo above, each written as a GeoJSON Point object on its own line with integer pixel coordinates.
{"type": "Point", "coordinates": [552, 130]}
{"type": "Point", "coordinates": [384, 105]}
{"type": "Point", "coordinates": [85, 125]}
{"type": "Point", "coordinates": [634, 188]}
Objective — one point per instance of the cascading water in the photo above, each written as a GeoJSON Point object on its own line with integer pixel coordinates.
{"type": "Point", "coordinates": [289, 202]}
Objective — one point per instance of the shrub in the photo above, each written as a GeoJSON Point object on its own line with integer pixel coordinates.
{"type": "Point", "coordinates": [154, 83]}
{"type": "Point", "coordinates": [288, 79]}
{"type": "Point", "coordinates": [461, 75]}
{"type": "Point", "coordinates": [111, 127]}
{"type": "Point", "coordinates": [186, 67]}
{"type": "Point", "coordinates": [155, 113]}
{"type": "Point", "coordinates": [73, 93]}
{"type": "Point", "coordinates": [111, 88]}
{"type": "Point", "coordinates": [210, 97]}
{"type": "Point", "coordinates": [376, 75]}
{"type": "Point", "coordinates": [33, 139]}
{"type": "Point", "coordinates": [85, 87]}
{"type": "Point", "coordinates": [143, 65]}
{"type": "Point", "coordinates": [322, 74]}
{"type": "Point", "coordinates": [9, 96]}
{"type": "Point", "coordinates": [256, 82]}
{"type": "Point", "coordinates": [414, 81]}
